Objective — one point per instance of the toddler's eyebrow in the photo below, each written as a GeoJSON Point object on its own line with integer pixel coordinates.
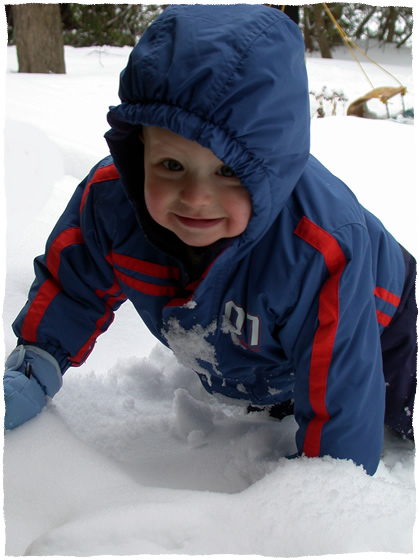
{"type": "Point", "coordinates": [165, 146]}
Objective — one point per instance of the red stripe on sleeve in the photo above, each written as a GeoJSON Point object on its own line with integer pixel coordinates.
{"type": "Point", "coordinates": [144, 267]}
{"type": "Point", "coordinates": [87, 348]}
{"type": "Point", "coordinates": [328, 316]}
{"type": "Point", "coordinates": [71, 236]}
{"type": "Point", "coordinates": [107, 173]}
{"type": "Point", "coordinates": [387, 296]}
{"type": "Point", "coordinates": [40, 303]}
{"type": "Point", "coordinates": [51, 287]}
{"type": "Point", "coordinates": [146, 287]}
{"type": "Point", "coordinates": [114, 289]}
{"type": "Point", "coordinates": [383, 318]}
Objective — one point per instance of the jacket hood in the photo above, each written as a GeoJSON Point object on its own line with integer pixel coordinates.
{"type": "Point", "coordinates": [233, 79]}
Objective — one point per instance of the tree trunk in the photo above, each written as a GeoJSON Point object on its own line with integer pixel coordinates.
{"type": "Point", "coordinates": [39, 40]}
{"type": "Point", "coordinates": [390, 25]}
{"type": "Point", "coordinates": [307, 33]}
{"type": "Point", "coordinates": [323, 43]}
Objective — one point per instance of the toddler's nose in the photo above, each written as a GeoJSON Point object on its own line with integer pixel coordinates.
{"type": "Point", "coordinates": [196, 193]}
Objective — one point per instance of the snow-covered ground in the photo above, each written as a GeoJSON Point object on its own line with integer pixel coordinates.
{"type": "Point", "coordinates": [132, 456]}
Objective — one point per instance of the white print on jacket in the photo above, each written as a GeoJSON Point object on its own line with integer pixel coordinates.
{"type": "Point", "coordinates": [234, 319]}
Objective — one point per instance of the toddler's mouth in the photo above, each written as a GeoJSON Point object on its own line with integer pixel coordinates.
{"type": "Point", "coordinates": [199, 223]}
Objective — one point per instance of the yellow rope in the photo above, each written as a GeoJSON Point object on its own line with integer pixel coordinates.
{"type": "Point", "coordinates": [349, 43]}
{"type": "Point", "coordinates": [282, 8]}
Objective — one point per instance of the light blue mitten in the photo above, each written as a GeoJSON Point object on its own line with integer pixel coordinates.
{"type": "Point", "coordinates": [30, 375]}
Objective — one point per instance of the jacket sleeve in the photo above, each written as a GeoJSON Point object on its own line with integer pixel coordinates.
{"type": "Point", "coordinates": [340, 388]}
{"type": "Point", "coordinates": [75, 293]}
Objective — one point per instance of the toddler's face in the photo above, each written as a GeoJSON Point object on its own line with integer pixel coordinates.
{"type": "Point", "coordinates": [189, 191]}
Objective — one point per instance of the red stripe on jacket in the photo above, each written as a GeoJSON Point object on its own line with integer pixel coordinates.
{"type": "Point", "coordinates": [107, 173]}
{"type": "Point", "coordinates": [111, 292]}
{"type": "Point", "coordinates": [328, 316]}
{"type": "Point", "coordinates": [71, 236]}
{"type": "Point", "coordinates": [51, 287]}
{"type": "Point", "coordinates": [146, 287]}
{"type": "Point", "coordinates": [383, 318]}
{"type": "Point", "coordinates": [46, 293]}
{"type": "Point", "coordinates": [114, 295]}
{"type": "Point", "coordinates": [144, 267]}
{"type": "Point", "coordinates": [87, 348]}
{"type": "Point", "coordinates": [389, 297]}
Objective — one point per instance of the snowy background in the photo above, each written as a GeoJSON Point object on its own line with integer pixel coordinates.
{"type": "Point", "coordinates": [132, 456]}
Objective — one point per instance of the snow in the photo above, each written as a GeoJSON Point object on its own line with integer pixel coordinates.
{"type": "Point", "coordinates": [191, 346]}
{"type": "Point", "coordinates": [133, 456]}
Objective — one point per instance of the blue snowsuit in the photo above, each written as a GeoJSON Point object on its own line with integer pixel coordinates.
{"type": "Point", "coordinates": [294, 308]}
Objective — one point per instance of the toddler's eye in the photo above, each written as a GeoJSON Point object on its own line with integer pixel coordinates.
{"type": "Point", "coordinates": [172, 165]}
{"type": "Point", "coordinates": [226, 171]}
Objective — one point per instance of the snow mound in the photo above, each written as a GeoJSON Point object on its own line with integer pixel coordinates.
{"type": "Point", "coordinates": [33, 164]}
